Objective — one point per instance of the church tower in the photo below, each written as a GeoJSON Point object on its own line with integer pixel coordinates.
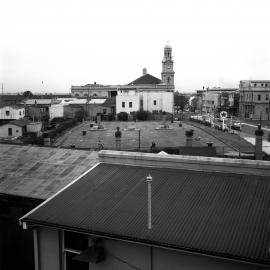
{"type": "Point", "coordinates": [167, 74]}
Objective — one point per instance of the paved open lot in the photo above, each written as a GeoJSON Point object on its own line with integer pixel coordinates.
{"type": "Point", "coordinates": [130, 139]}
{"type": "Point", "coordinates": [39, 172]}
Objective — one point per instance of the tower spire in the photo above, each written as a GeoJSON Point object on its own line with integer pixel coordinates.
{"type": "Point", "coordinates": [167, 74]}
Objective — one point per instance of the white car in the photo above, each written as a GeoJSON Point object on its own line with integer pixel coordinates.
{"type": "Point", "coordinates": [236, 126]}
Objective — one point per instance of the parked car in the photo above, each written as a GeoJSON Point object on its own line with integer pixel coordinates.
{"type": "Point", "coordinates": [236, 126]}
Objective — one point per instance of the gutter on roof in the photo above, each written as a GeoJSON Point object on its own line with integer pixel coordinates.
{"type": "Point", "coordinates": [145, 243]}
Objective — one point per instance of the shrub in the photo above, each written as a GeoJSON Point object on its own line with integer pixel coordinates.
{"type": "Point", "coordinates": [189, 133]}
{"type": "Point", "coordinates": [110, 116]}
{"type": "Point", "coordinates": [142, 115]}
{"type": "Point", "coordinates": [122, 116]}
{"type": "Point", "coordinates": [60, 128]}
{"type": "Point", "coordinates": [79, 115]}
{"type": "Point", "coordinates": [33, 140]}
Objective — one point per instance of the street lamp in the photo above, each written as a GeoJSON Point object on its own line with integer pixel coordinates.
{"type": "Point", "coordinates": [139, 139]}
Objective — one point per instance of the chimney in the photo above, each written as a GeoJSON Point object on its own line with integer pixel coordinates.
{"type": "Point", "coordinates": [144, 71]}
{"type": "Point", "coordinates": [149, 183]}
{"type": "Point", "coordinates": [258, 143]}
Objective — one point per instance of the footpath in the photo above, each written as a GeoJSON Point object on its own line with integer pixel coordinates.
{"type": "Point", "coordinates": [251, 139]}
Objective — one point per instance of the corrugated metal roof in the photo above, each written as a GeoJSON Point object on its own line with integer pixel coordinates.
{"type": "Point", "coordinates": [39, 172]}
{"type": "Point", "coordinates": [214, 213]}
{"type": "Point", "coordinates": [20, 122]}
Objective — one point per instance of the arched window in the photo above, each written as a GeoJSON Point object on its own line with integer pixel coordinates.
{"type": "Point", "coordinates": [95, 95]}
{"type": "Point", "coordinates": [168, 80]}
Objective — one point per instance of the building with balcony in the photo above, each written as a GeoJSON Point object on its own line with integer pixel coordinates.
{"type": "Point", "coordinates": [215, 100]}
{"type": "Point", "coordinates": [254, 102]}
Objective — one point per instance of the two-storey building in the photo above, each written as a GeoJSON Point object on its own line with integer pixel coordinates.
{"type": "Point", "coordinates": [255, 99]}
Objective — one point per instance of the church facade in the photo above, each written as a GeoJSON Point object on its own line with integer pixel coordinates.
{"type": "Point", "coordinates": [146, 93]}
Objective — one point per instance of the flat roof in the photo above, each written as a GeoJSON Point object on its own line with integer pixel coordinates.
{"type": "Point", "coordinates": [39, 172]}
{"type": "Point", "coordinates": [215, 213]}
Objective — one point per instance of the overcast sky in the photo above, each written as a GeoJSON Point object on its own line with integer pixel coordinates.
{"type": "Point", "coordinates": [64, 43]}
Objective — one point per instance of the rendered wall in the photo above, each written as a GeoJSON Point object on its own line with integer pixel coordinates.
{"type": "Point", "coordinates": [56, 111]}
{"type": "Point", "coordinates": [164, 101]}
{"type": "Point", "coordinates": [92, 92]}
{"type": "Point", "coordinates": [49, 256]}
{"type": "Point", "coordinates": [134, 98]}
{"type": "Point", "coordinates": [13, 113]}
{"type": "Point", "coordinates": [123, 255]}
{"type": "Point", "coordinates": [120, 255]}
{"type": "Point", "coordinates": [16, 131]}
{"type": "Point", "coordinates": [165, 259]}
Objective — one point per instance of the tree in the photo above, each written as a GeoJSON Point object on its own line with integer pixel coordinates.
{"type": "Point", "coordinates": [27, 94]}
{"type": "Point", "coordinates": [180, 101]}
{"type": "Point", "coordinates": [194, 104]}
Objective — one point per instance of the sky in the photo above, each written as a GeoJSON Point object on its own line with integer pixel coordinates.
{"type": "Point", "coordinates": [49, 45]}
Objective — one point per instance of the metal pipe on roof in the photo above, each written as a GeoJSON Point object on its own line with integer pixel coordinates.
{"type": "Point", "coordinates": [149, 181]}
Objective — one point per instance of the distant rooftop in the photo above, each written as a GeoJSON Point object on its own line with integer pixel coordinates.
{"type": "Point", "coordinates": [146, 79]}
{"type": "Point", "coordinates": [39, 172]}
{"type": "Point", "coordinates": [20, 122]}
{"type": "Point", "coordinates": [46, 101]}
{"type": "Point", "coordinates": [14, 106]}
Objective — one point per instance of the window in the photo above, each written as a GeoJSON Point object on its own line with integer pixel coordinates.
{"type": "Point", "coordinates": [7, 113]}
{"type": "Point", "coordinates": [155, 102]}
{"type": "Point", "coordinates": [267, 97]}
{"type": "Point", "coordinates": [141, 102]}
{"type": "Point", "coordinates": [123, 105]}
{"type": "Point", "coordinates": [74, 244]}
{"type": "Point", "coordinates": [104, 111]}
{"type": "Point", "coordinates": [255, 84]}
{"type": "Point", "coordinates": [261, 84]}
{"type": "Point", "coordinates": [266, 110]}
{"type": "Point", "coordinates": [130, 104]}
{"type": "Point", "coordinates": [259, 97]}
{"type": "Point", "coordinates": [20, 113]}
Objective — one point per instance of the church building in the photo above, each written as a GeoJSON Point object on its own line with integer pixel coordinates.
{"type": "Point", "coordinates": [149, 93]}
{"type": "Point", "coordinates": [146, 93]}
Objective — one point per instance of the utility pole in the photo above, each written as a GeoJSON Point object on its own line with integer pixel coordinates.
{"type": "Point", "coordinates": [149, 183]}
{"type": "Point", "coordinates": [268, 108]}
{"type": "Point", "coordinates": [139, 140]}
